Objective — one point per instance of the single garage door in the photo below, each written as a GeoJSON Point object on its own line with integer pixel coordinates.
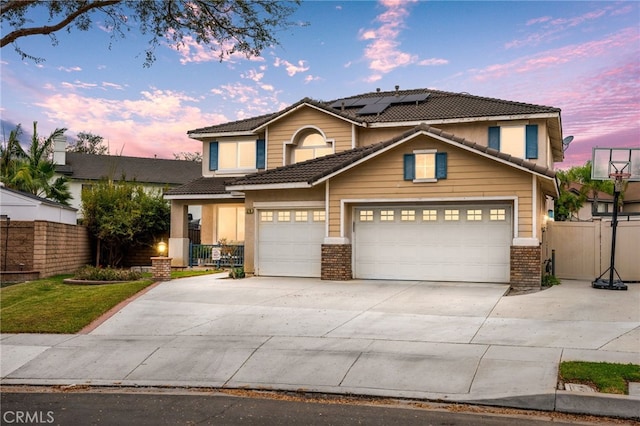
{"type": "Point", "coordinates": [434, 243]}
{"type": "Point", "coordinates": [290, 242]}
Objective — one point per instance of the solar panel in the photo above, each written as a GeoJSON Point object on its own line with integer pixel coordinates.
{"type": "Point", "coordinates": [372, 109]}
{"type": "Point", "coordinates": [348, 102]}
{"type": "Point", "coordinates": [418, 97]}
{"type": "Point", "coordinates": [390, 99]}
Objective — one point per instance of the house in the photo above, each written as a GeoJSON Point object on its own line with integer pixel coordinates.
{"type": "Point", "coordinates": [406, 185]}
{"type": "Point", "coordinates": [22, 206]}
{"type": "Point", "coordinates": [152, 173]}
{"type": "Point", "coordinates": [600, 204]}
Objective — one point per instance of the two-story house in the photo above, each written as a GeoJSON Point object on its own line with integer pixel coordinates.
{"type": "Point", "coordinates": [405, 185]}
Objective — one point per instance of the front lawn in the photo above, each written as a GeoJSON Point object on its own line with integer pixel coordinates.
{"type": "Point", "coordinates": [49, 306]}
{"type": "Point", "coordinates": [605, 377]}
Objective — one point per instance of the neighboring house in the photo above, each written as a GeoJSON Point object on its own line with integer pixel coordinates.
{"type": "Point", "coordinates": [22, 206]}
{"type": "Point", "coordinates": [152, 173]}
{"type": "Point", "coordinates": [408, 184]}
{"type": "Point", "coordinates": [600, 204]}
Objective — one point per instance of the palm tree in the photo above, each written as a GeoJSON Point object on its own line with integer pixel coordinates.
{"type": "Point", "coordinates": [33, 171]}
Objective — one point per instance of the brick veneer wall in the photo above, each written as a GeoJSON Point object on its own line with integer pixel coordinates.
{"type": "Point", "coordinates": [161, 268]}
{"type": "Point", "coordinates": [48, 247]}
{"type": "Point", "coordinates": [526, 267]}
{"type": "Point", "coordinates": [336, 262]}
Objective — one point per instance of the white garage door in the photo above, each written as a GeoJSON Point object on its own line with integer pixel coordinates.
{"type": "Point", "coordinates": [290, 242]}
{"type": "Point", "coordinates": [435, 243]}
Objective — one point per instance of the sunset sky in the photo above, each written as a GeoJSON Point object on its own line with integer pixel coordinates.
{"type": "Point", "coordinates": [580, 56]}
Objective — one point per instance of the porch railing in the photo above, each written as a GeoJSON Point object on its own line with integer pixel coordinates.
{"type": "Point", "coordinates": [218, 255]}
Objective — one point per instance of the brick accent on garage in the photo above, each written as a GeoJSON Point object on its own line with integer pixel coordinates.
{"type": "Point", "coordinates": [336, 262]}
{"type": "Point", "coordinates": [526, 267]}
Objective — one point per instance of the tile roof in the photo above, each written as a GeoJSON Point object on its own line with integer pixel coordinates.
{"type": "Point", "coordinates": [202, 186]}
{"type": "Point", "coordinates": [313, 170]}
{"type": "Point", "coordinates": [38, 199]}
{"type": "Point", "coordinates": [144, 170]}
{"type": "Point", "coordinates": [438, 105]}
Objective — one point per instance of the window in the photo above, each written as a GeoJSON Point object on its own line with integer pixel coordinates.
{"type": "Point", "coordinates": [497, 214]}
{"type": "Point", "coordinates": [451, 215]}
{"type": "Point", "coordinates": [308, 145]}
{"type": "Point", "coordinates": [231, 223]}
{"type": "Point", "coordinates": [366, 215]}
{"type": "Point", "coordinates": [425, 166]}
{"type": "Point", "coordinates": [386, 216]}
{"type": "Point", "coordinates": [429, 215]}
{"type": "Point", "coordinates": [301, 216]}
{"type": "Point", "coordinates": [408, 215]}
{"type": "Point", "coordinates": [518, 141]}
{"type": "Point", "coordinates": [266, 216]}
{"type": "Point", "coordinates": [237, 155]}
{"type": "Point", "coordinates": [319, 215]}
{"type": "Point", "coordinates": [284, 216]}
{"type": "Point", "coordinates": [474, 215]}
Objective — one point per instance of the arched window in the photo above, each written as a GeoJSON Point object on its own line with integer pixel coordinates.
{"type": "Point", "coordinates": [309, 144]}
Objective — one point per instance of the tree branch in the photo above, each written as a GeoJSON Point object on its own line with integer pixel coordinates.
{"type": "Point", "coordinates": [44, 30]}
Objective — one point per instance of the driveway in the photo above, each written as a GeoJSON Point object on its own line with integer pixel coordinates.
{"type": "Point", "coordinates": [462, 342]}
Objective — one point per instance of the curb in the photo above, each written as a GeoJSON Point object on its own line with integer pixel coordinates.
{"type": "Point", "coordinates": [599, 404]}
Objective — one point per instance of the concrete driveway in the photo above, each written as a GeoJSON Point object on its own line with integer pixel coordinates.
{"type": "Point", "coordinates": [463, 342]}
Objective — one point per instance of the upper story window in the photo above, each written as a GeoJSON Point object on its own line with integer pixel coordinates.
{"type": "Point", "coordinates": [237, 155]}
{"type": "Point", "coordinates": [308, 144]}
{"type": "Point", "coordinates": [425, 166]}
{"type": "Point", "coordinates": [519, 141]}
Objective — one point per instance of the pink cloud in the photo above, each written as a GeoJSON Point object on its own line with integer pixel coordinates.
{"type": "Point", "coordinates": [192, 51]}
{"type": "Point", "coordinates": [624, 39]}
{"type": "Point", "coordinates": [153, 124]}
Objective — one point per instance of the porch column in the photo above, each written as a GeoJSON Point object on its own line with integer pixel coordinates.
{"type": "Point", "coordinates": [179, 236]}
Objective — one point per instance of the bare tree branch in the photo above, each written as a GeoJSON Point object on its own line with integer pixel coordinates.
{"type": "Point", "coordinates": [48, 29]}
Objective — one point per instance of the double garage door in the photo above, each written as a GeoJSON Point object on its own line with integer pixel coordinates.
{"type": "Point", "coordinates": [435, 243]}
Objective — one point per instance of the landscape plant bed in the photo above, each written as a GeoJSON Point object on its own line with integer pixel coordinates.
{"type": "Point", "coordinates": [604, 377]}
{"type": "Point", "coordinates": [91, 282]}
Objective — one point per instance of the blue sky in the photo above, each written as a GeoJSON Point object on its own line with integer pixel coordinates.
{"type": "Point", "coordinates": [582, 57]}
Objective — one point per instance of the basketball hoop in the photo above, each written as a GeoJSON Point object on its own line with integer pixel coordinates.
{"type": "Point", "coordinates": [621, 165]}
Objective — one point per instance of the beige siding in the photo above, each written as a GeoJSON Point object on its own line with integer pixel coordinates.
{"type": "Point", "coordinates": [468, 176]}
{"type": "Point", "coordinates": [284, 196]}
{"type": "Point", "coordinates": [476, 132]}
{"type": "Point", "coordinates": [283, 130]}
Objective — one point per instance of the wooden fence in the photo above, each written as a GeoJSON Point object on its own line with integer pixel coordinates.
{"type": "Point", "coordinates": [583, 249]}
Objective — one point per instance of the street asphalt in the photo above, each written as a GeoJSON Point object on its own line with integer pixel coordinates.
{"type": "Point", "coordinates": [449, 342]}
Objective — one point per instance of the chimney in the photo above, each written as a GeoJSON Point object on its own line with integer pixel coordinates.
{"type": "Point", "coordinates": [59, 150]}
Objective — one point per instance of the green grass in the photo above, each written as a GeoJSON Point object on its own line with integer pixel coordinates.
{"type": "Point", "coordinates": [605, 377]}
{"type": "Point", "coordinates": [50, 306]}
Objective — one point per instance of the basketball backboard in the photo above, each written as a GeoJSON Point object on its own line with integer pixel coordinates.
{"type": "Point", "coordinates": [606, 162]}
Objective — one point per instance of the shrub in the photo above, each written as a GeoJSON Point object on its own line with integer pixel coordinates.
{"type": "Point", "coordinates": [550, 280]}
{"type": "Point", "coordinates": [106, 274]}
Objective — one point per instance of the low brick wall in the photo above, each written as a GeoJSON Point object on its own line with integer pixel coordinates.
{"type": "Point", "coordinates": [526, 267]}
{"type": "Point", "coordinates": [336, 262]}
{"type": "Point", "coordinates": [47, 247]}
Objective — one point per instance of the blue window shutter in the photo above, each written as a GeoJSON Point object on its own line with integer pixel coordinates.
{"type": "Point", "coordinates": [441, 165]}
{"type": "Point", "coordinates": [494, 137]}
{"type": "Point", "coordinates": [261, 159]}
{"type": "Point", "coordinates": [213, 156]}
{"type": "Point", "coordinates": [409, 167]}
{"type": "Point", "coordinates": [532, 141]}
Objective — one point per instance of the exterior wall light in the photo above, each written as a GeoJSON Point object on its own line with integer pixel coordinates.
{"type": "Point", "coordinates": [162, 248]}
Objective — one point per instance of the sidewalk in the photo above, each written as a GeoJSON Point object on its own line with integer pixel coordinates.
{"type": "Point", "coordinates": [456, 342]}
